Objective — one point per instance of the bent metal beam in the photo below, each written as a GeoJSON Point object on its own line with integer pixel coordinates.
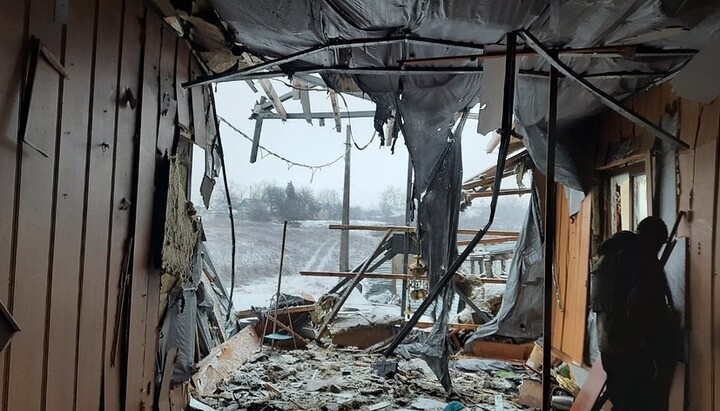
{"type": "Point", "coordinates": [605, 98]}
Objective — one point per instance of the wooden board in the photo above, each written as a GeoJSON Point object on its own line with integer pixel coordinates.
{"type": "Point", "coordinates": [69, 209]}
{"type": "Point", "coordinates": [576, 291]}
{"type": "Point", "coordinates": [11, 48]}
{"type": "Point", "coordinates": [198, 108]}
{"type": "Point", "coordinates": [572, 260]}
{"type": "Point", "coordinates": [182, 75]}
{"type": "Point", "coordinates": [122, 210]}
{"type": "Point", "coordinates": [701, 258]}
{"type": "Point", "coordinates": [139, 352]}
{"type": "Point", "coordinates": [99, 188]}
{"type": "Point", "coordinates": [224, 359]}
{"type": "Point", "coordinates": [28, 293]}
{"type": "Point", "coordinates": [502, 351]}
{"type": "Point", "coordinates": [168, 99]}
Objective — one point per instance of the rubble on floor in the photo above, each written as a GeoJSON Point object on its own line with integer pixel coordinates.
{"type": "Point", "coordinates": [344, 379]}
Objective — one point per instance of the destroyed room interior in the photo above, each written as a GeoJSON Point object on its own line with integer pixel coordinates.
{"type": "Point", "coordinates": [526, 134]}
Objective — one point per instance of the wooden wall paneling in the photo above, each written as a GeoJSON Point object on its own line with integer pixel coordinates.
{"type": "Point", "coordinates": [99, 190]}
{"type": "Point", "coordinates": [168, 98]}
{"type": "Point", "coordinates": [572, 278]}
{"type": "Point", "coordinates": [182, 74]}
{"type": "Point", "coordinates": [12, 31]}
{"type": "Point", "coordinates": [138, 384]}
{"type": "Point", "coordinates": [126, 147]}
{"type": "Point", "coordinates": [29, 291]}
{"type": "Point", "coordinates": [576, 301]}
{"type": "Point", "coordinates": [69, 209]}
{"type": "Point", "coordinates": [688, 126]}
{"type": "Point", "coordinates": [701, 258]}
{"type": "Point", "coordinates": [198, 107]}
{"type": "Point", "coordinates": [714, 311]}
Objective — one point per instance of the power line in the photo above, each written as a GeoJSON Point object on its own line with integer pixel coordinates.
{"type": "Point", "coordinates": [265, 152]}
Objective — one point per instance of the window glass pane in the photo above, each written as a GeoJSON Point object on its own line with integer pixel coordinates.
{"type": "Point", "coordinates": [640, 205]}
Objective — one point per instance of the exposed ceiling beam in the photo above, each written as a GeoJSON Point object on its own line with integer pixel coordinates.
{"type": "Point", "coordinates": [276, 63]}
{"type": "Point", "coordinates": [605, 98]}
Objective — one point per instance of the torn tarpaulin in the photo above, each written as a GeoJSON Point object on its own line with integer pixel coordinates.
{"type": "Point", "coordinates": [520, 315]}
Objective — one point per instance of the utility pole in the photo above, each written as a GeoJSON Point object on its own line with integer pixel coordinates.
{"type": "Point", "coordinates": [345, 234]}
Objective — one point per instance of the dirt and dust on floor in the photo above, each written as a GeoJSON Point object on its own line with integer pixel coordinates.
{"type": "Point", "coordinates": [276, 363]}
{"type": "Point", "coordinates": [332, 378]}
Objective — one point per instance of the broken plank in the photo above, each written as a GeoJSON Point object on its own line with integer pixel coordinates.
{"type": "Point", "coordinates": [458, 326]}
{"type": "Point", "coordinates": [336, 111]}
{"type": "Point", "coordinates": [508, 192]}
{"type": "Point", "coordinates": [225, 359]}
{"type": "Point", "coordinates": [351, 275]}
{"type": "Point", "coordinates": [272, 95]}
{"type": "Point", "coordinates": [304, 96]}
{"type": "Point", "coordinates": [498, 240]}
{"type": "Point", "coordinates": [256, 140]}
{"type": "Point", "coordinates": [493, 280]}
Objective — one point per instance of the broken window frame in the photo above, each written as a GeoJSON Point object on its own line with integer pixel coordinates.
{"type": "Point", "coordinates": [633, 172]}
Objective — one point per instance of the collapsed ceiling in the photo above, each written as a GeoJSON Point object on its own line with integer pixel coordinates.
{"type": "Point", "coordinates": [422, 63]}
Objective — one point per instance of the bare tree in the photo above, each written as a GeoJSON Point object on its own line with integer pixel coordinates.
{"type": "Point", "coordinates": [392, 201]}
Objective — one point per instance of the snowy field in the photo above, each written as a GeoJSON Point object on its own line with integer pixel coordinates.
{"type": "Point", "coordinates": [310, 246]}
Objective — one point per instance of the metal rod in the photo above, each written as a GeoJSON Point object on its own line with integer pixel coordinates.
{"type": "Point", "coordinates": [313, 50]}
{"type": "Point", "coordinates": [336, 309]}
{"type": "Point", "coordinates": [592, 52]}
{"type": "Point", "coordinates": [605, 98]}
{"type": "Point", "coordinates": [549, 240]}
{"type": "Point", "coordinates": [506, 132]}
{"type": "Point", "coordinates": [279, 283]}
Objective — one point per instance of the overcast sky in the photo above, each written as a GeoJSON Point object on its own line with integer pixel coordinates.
{"type": "Point", "coordinates": [373, 169]}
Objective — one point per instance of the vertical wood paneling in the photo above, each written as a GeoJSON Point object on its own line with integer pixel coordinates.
{"type": "Point", "coordinates": [576, 301]}
{"type": "Point", "coordinates": [571, 273]}
{"type": "Point", "coordinates": [100, 150]}
{"type": "Point", "coordinates": [182, 75]}
{"type": "Point", "coordinates": [28, 301]}
{"type": "Point", "coordinates": [68, 221]}
{"type": "Point", "coordinates": [65, 241]}
{"type": "Point", "coordinates": [701, 259]}
{"type": "Point", "coordinates": [121, 211]}
{"type": "Point", "coordinates": [138, 384]}
{"type": "Point", "coordinates": [168, 100]}
{"type": "Point", "coordinates": [12, 31]}
{"type": "Point", "coordinates": [198, 108]}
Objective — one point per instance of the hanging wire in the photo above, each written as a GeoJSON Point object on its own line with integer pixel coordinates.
{"type": "Point", "coordinates": [265, 152]}
{"type": "Point", "coordinates": [352, 136]}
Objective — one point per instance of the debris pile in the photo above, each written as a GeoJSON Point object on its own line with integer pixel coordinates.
{"type": "Point", "coordinates": [347, 379]}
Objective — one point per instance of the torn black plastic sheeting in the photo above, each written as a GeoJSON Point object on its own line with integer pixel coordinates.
{"type": "Point", "coordinates": [508, 105]}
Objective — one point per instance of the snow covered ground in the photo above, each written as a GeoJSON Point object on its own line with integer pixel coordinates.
{"type": "Point", "coordinates": [310, 246]}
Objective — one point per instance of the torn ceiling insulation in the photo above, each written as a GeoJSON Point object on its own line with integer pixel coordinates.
{"type": "Point", "coordinates": [377, 43]}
